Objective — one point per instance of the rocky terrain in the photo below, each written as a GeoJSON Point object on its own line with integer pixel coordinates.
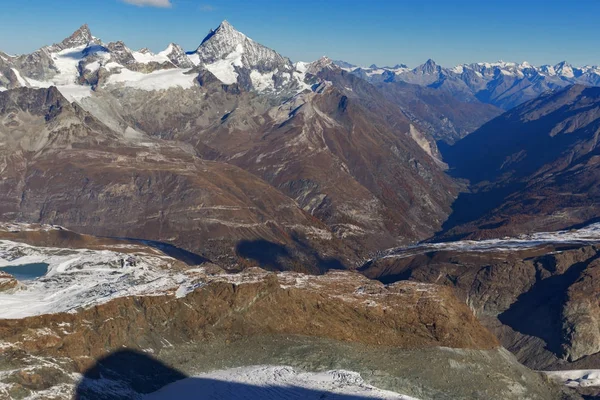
{"type": "Point", "coordinates": [247, 318]}
{"type": "Point", "coordinates": [63, 166]}
{"type": "Point", "coordinates": [535, 293]}
{"type": "Point", "coordinates": [443, 116]}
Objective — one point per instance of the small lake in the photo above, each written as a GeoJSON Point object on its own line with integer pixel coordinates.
{"type": "Point", "coordinates": [26, 272]}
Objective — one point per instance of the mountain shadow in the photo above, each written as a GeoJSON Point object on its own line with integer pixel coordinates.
{"type": "Point", "coordinates": [125, 374]}
{"type": "Point", "coordinates": [277, 257]}
{"type": "Point", "coordinates": [178, 253]}
{"type": "Point", "coordinates": [129, 374]}
{"type": "Point", "coordinates": [470, 206]}
{"type": "Point", "coordinates": [537, 312]}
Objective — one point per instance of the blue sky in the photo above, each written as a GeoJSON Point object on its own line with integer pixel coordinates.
{"type": "Point", "coordinates": [362, 32]}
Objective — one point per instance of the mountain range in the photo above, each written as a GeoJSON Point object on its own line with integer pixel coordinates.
{"type": "Point", "coordinates": [301, 129]}
{"type": "Point", "coordinates": [226, 200]}
{"type": "Point", "coordinates": [502, 84]}
{"type": "Point", "coordinates": [298, 129]}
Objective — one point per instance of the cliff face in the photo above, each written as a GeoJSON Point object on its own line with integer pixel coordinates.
{"type": "Point", "coordinates": [540, 301]}
{"type": "Point", "coordinates": [342, 305]}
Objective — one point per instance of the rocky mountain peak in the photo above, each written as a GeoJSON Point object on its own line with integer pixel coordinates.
{"type": "Point", "coordinates": [225, 34]}
{"type": "Point", "coordinates": [430, 67]}
{"type": "Point", "coordinates": [80, 37]}
{"type": "Point", "coordinates": [227, 53]}
{"type": "Point", "coordinates": [177, 56]}
{"type": "Point", "coordinates": [321, 64]}
{"type": "Point", "coordinates": [225, 26]}
{"type": "Point", "coordinates": [564, 69]}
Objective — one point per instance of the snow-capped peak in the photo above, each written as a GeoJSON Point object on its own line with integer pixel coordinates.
{"type": "Point", "coordinates": [226, 28]}
{"type": "Point", "coordinates": [226, 42]}
{"type": "Point", "coordinates": [525, 65]}
{"type": "Point", "coordinates": [172, 54]}
{"type": "Point", "coordinates": [80, 37]}
{"type": "Point", "coordinates": [235, 58]}
{"type": "Point", "coordinates": [564, 69]}
{"type": "Point", "coordinates": [322, 63]}
{"type": "Point", "coordinates": [225, 34]}
{"type": "Point", "coordinates": [429, 67]}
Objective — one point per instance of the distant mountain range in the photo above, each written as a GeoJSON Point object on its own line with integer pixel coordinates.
{"type": "Point", "coordinates": [503, 84]}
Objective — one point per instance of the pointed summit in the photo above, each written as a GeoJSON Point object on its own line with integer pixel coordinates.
{"type": "Point", "coordinates": [80, 37]}
{"type": "Point", "coordinates": [226, 42]}
{"type": "Point", "coordinates": [177, 56]}
{"type": "Point", "coordinates": [225, 29]}
{"type": "Point", "coordinates": [430, 67]}
{"type": "Point", "coordinates": [564, 69]}
{"type": "Point", "coordinates": [225, 25]}
{"type": "Point", "coordinates": [322, 63]}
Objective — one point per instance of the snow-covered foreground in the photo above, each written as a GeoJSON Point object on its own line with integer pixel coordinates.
{"type": "Point", "coordinates": [81, 277]}
{"type": "Point", "coordinates": [587, 235]}
{"type": "Point", "coordinates": [576, 377]}
{"type": "Point", "coordinates": [271, 383]}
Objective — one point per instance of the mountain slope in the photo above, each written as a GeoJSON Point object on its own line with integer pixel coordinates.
{"type": "Point", "coordinates": [532, 291]}
{"type": "Point", "coordinates": [443, 116]}
{"type": "Point", "coordinates": [341, 151]}
{"type": "Point", "coordinates": [61, 165]}
{"type": "Point", "coordinates": [110, 346]}
{"type": "Point", "coordinates": [536, 165]}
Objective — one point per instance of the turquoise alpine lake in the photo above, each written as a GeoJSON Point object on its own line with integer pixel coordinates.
{"type": "Point", "coordinates": [26, 272]}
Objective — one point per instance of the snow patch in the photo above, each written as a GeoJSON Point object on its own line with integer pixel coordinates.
{"type": "Point", "coordinates": [576, 378]}
{"type": "Point", "coordinates": [262, 82]}
{"type": "Point", "coordinates": [224, 69]}
{"type": "Point", "coordinates": [148, 57]}
{"type": "Point", "coordinates": [583, 236]}
{"type": "Point", "coordinates": [81, 278]}
{"type": "Point", "coordinates": [274, 382]}
{"type": "Point", "coordinates": [158, 80]}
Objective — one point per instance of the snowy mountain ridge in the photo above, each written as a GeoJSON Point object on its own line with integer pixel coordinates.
{"type": "Point", "coordinates": [503, 84]}
{"type": "Point", "coordinates": [563, 68]}
{"type": "Point", "coordinates": [82, 63]}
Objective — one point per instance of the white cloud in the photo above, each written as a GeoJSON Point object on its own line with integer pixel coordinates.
{"type": "Point", "coordinates": [150, 3]}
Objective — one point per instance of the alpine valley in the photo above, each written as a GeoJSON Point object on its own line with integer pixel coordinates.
{"type": "Point", "coordinates": [223, 222]}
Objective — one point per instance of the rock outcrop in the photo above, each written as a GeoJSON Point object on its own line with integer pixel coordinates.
{"type": "Point", "coordinates": [540, 301]}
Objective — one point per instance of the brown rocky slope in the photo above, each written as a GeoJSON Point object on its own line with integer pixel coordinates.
{"type": "Point", "coordinates": [63, 166]}
{"type": "Point", "coordinates": [539, 301]}
{"type": "Point", "coordinates": [341, 151]}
